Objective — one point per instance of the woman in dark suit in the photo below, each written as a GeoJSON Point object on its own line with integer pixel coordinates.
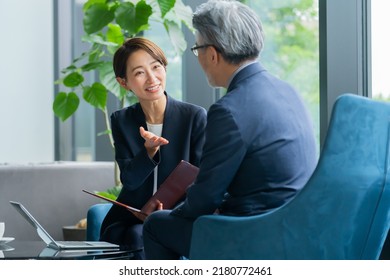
{"type": "Point", "coordinates": [151, 136]}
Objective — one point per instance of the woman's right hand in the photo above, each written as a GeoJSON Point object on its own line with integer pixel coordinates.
{"type": "Point", "coordinates": [152, 141]}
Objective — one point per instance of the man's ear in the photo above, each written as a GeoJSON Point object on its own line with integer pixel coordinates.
{"type": "Point", "coordinates": [122, 82]}
{"type": "Point", "coordinates": [214, 55]}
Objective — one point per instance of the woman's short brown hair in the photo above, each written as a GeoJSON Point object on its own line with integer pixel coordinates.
{"type": "Point", "coordinates": [131, 45]}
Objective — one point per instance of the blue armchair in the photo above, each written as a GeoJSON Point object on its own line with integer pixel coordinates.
{"type": "Point", "coordinates": [343, 212]}
{"type": "Point", "coordinates": [95, 217]}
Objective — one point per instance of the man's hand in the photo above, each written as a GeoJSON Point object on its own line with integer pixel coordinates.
{"type": "Point", "coordinates": [151, 207]}
{"type": "Point", "coordinates": [147, 209]}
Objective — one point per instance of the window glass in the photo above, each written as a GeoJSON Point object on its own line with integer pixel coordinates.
{"type": "Point", "coordinates": [84, 125]}
{"type": "Point", "coordinates": [291, 49]}
{"type": "Point", "coordinates": [380, 22]}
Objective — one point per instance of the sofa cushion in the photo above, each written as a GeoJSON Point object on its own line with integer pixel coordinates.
{"type": "Point", "coordinates": [52, 192]}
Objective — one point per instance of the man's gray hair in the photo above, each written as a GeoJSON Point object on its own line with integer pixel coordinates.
{"type": "Point", "coordinates": [231, 27]}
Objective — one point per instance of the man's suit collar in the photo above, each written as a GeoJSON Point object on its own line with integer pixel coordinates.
{"type": "Point", "coordinates": [246, 72]}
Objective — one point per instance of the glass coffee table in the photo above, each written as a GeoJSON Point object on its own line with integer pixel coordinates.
{"type": "Point", "coordinates": [37, 250]}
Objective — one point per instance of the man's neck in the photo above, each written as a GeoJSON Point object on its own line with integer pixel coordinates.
{"type": "Point", "coordinates": [230, 70]}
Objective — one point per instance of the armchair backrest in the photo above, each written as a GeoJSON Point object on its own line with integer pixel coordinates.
{"type": "Point", "coordinates": [344, 208]}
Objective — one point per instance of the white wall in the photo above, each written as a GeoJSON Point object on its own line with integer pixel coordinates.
{"type": "Point", "coordinates": [26, 81]}
{"type": "Point", "coordinates": [380, 23]}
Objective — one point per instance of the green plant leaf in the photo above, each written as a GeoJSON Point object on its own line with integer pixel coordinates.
{"type": "Point", "coordinates": [107, 78]}
{"type": "Point", "coordinates": [181, 14]}
{"type": "Point", "coordinates": [83, 55]}
{"type": "Point", "coordinates": [73, 79]}
{"type": "Point", "coordinates": [68, 69]}
{"type": "Point", "coordinates": [95, 38]}
{"type": "Point", "coordinates": [91, 2]}
{"type": "Point", "coordinates": [112, 193]}
{"type": "Point", "coordinates": [92, 65]}
{"type": "Point", "coordinates": [133, 19]}
{"type": "Point", "coordinates": [131, 98]}
{"type": "Point", "coordinates": [108, 195]}
{"type": "Point", "coordinates": [97, 16]}
{"type": "Point", "coordinates": [111, 50]}
{"type": "Point", "coordinates": [114, 34]}
{"type": "Point", "coordinates": [59, 81]}
{"type": "Point", "coordinates": [105, 132]}
{"type": "Point", "coordinates": [96, 53]}
{"type": "Point", "coordinates": [176, 36]}
{"type": "Point", "coordinates": [166, 6]}
{"type": "Point", "coordinates": [96, 95]}
{"type": "Point", "coordinates": [65, 105]}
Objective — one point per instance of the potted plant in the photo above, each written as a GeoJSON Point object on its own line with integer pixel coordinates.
{"type": "Point", "coordinates": [107, 23]}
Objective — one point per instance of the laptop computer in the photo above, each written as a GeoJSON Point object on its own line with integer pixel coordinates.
{"type": "Point", "coordinates": [60, 245]}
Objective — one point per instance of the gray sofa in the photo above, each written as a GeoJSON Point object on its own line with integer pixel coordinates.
{"type": "Point", "coordinates": [52, 192]}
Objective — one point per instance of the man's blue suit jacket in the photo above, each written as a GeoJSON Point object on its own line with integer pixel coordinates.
{"type": "Point", "coordinates": [183, 126]}
{"type": "Point", "coordinates": [260, 148]}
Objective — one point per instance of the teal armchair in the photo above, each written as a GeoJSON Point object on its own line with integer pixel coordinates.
{"type": "Point", "coordinates": [95, 217]}
{"type": "Point", "coordinates": [343, 212]}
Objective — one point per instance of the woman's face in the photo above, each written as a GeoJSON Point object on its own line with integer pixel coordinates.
{"type": "Point", "coordinates": [145, 76]}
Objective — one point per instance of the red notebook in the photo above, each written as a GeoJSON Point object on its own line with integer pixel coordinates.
{"type": "Point", "coordinates": [133, 210]}
{"type": "Point", "coordinates": [171, 191]}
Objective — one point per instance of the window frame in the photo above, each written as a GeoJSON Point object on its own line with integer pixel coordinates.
{"type": "Point", "coordinates": [345, 69]}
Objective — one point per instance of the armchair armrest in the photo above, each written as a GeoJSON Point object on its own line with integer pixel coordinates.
{"type": "Point", "coordinates": [95, 217]}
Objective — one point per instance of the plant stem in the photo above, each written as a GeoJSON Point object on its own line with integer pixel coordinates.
{"type": "Point", "coordinates": [108, 127]}
{"type": "Point", "coordinates": [116, 168]}
{"type": "Point", "coordinates": [117, 175]}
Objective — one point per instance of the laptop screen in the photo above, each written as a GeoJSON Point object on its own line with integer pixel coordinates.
{"type": "Point", "coordinates": [29, 218]}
